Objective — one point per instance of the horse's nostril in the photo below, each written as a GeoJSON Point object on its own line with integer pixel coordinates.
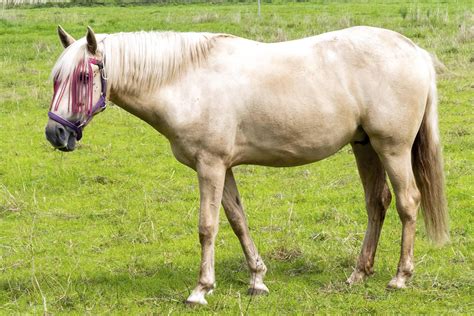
{"type": "Point", "coordinates": [61, 133]}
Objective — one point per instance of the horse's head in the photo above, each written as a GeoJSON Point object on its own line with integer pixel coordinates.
{"type": "Point", "coordinates": [79, 89]}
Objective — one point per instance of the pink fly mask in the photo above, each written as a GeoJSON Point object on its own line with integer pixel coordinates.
{"type": "Point", "coordinates": [80, 95]}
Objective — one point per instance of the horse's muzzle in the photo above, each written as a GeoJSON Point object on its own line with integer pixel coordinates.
{"type": "Point", "coordinates": [61, 137]}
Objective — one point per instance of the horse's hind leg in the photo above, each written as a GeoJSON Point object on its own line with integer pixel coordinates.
{"type": "Point", "coordinates": [377, 200]}
{"type": "Point", "coordinates": [235, 214]}
{"type": "Point", "coordinates": [397, 162]}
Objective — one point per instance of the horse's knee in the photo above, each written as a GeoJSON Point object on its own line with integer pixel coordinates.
{"type": "Point", "coordinates": [207, 232]}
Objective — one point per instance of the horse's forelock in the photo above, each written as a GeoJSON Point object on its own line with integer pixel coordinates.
{"type": "Point", "coordinates": [71, 57]}
{"type": "Point", "coordinates": [68, 61]}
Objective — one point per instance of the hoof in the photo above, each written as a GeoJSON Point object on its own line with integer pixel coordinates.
{"type": "Point", "coordinates": [396, 283]}
{"type": "Point", "coordinates": [356, 277]}
{"type": "Point", "coordinates": [195, 301]}
{"type": "Point", "coordinates": [197, 296]}
{"type": "Point", "coordinates": [260, 290]}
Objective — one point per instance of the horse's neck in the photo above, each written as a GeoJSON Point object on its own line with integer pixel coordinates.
{"type": "Point", "coordinates": [136, 85]}
{"type": "Point", "coordinates": [141, 106]}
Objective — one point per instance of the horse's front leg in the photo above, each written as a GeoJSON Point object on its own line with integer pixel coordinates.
{"type": "Point", "coordinates": [211, 184]}
{"type": "Point", "coordinates": [235, 214]}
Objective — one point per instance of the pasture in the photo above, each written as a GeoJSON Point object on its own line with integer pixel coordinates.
{"type": "Point", "coordinates": [112, 227]}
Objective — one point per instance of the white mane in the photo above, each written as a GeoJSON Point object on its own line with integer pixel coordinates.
{"type": "Point", "coordinates": [139, 61]}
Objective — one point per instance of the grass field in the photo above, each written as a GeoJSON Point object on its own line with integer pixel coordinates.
{"type": "Point", "coordinates": [112, 227]}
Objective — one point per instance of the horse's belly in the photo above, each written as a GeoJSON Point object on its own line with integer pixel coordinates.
{"type": "Point", "coordinates": [285, 146]}
{"type": "Point", "coordinates": [281, 157]}
{"type": "Point", "coordinates": [295, 124]}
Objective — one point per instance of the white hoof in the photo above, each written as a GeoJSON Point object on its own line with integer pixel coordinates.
{"type": "Point", "coordinates": [258, 289]}
{"type": "Point", "coordinates": [196, 299]}
{"type": "Point", "coordinates": [198, 294]}
{"type": "Point", "coordinates": [397, 283]}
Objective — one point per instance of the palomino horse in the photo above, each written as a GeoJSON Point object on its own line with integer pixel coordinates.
{"type": "Point", "coordinates": [223, 101]}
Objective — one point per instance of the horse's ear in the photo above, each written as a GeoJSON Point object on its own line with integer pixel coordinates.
{"type": "Point", "coordinates": [91, 41]}
{"type": "Point", "coordinates": [65, 38]}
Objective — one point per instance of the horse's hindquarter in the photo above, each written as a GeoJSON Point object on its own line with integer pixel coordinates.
{"type": "Point", "coordinates": [287, 103]}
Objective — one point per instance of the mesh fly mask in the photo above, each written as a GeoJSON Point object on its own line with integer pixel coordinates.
{"type": "Point", "coordinates": [80, 95]}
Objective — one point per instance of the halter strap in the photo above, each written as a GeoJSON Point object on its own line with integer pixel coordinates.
{"type": "Point", "coordinates": [100, 105]}
{"type": "Point", "coordinates": [76, 127]}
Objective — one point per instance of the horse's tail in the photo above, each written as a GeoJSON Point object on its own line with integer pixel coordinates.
{"type": "Point", "coordinates": [428, 169]}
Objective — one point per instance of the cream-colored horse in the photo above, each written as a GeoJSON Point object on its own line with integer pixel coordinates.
{"type": "Point", "coordinates": [223, 101]}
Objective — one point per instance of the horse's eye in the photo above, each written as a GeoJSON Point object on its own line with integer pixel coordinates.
{"type": "Point", "coordinates": [84, 77]}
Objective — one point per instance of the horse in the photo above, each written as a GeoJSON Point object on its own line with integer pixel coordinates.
{"type": "Point", "coordinates": [223, 101]}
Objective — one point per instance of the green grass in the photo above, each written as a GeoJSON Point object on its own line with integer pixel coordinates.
{"type": "Point", "coordinates": [112, 227]}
